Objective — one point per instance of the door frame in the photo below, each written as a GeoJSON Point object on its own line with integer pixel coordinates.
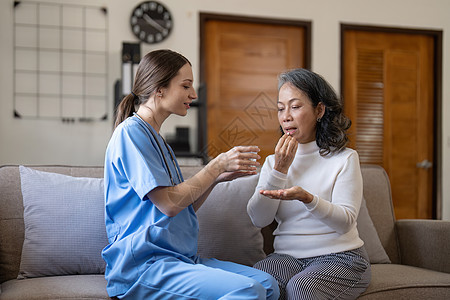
{"type": "Point", "coordinates": [205, 17]}
{"type": "Point", "coordinates": [436, 35]}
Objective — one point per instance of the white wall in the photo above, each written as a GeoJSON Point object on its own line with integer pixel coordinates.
{"type": "Point", "coordinates": [53, 142]}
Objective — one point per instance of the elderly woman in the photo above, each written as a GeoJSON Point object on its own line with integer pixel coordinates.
{"type": "Point", "coordinates": [312, 186]}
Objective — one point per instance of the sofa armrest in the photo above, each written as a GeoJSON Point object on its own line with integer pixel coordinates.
{"type": "Point", "coordinates": [425, 243]}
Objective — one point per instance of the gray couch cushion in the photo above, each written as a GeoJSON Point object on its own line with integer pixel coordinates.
{"type": "Point", "coordinates": [377, 192]}
{"type": "Point", "coordinates": [226, 231]}
{"type": "Point", "coordinates": [422, 243]}
{"type": "Point", "coordinates": [11, 222]}
{"type": "Point", "coordinates": [64, 224]}
{"type": "Point", "coordinates": [368, 234]}
{"type": "Point", "coordinates": [69, 287]}
{"type": "Point", "coordinates": [389, 281]}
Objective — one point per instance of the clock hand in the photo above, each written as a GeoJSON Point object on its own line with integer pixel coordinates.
{"type": "Point", "coordinates": [153, 23]}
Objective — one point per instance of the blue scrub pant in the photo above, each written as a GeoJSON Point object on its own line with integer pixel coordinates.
{"type": "Point", "coordinates": [170, 278]}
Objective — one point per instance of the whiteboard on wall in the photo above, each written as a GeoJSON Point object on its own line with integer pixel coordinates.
{"type": "Point", "coordinates": [60, 61]}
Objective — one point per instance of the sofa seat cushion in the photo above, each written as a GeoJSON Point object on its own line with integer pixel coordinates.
{"type": "Point", "coordinates": [393, 281]}
{"type": "Point", "coordinates": [56, 287]}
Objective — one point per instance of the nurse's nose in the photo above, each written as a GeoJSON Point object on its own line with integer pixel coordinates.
{"type": "Point", "coordinates": [193, 94]}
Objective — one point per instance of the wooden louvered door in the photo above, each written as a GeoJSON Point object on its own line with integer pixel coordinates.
{"type": "Point", "coordinates": [388, 94]}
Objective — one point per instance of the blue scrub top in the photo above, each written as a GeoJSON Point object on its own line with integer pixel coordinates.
{"type": "Point", "coordinates": [138, 232]}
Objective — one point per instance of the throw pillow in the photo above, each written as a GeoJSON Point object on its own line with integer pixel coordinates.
{"type": "Point", "coordinates": [64, 224]}
{"type": "Point", "coordinates": [369, 235]}
{"type": "Point", "coordinates": [226, 231]}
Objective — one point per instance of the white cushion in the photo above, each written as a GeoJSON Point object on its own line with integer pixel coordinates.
{"type": "Point", "coordinates": [64, 224]}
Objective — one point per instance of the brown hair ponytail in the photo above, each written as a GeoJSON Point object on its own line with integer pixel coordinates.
{"type": "Point", "coordinates": [125, 109]}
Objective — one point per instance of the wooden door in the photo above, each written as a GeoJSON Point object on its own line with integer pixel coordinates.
{"type": "Point", "coordinates": [241, 63]}
{"type": "Point", "coordinates": [389, 96]}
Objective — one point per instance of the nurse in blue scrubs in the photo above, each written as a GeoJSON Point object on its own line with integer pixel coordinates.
{"type": "Point", "coordinates": [150, 210]}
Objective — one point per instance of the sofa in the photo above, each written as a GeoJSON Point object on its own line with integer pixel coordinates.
{"type": "Point", "coordinates": [52, 232]}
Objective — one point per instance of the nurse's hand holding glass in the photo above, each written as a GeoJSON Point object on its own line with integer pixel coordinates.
{"type": "Point", "coordinates": [226, 166]}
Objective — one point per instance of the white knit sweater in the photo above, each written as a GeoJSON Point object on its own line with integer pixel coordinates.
{"type": "Point", "coordinates": [327, 224]}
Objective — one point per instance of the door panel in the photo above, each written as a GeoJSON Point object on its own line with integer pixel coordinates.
{"type": "Point", "coordinates": [242, 62]}
{"type": "Point", "coordinates": [388, 94]}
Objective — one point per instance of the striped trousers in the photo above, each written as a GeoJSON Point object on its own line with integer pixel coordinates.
{"type": "Point", "coordinates": [343, 275]}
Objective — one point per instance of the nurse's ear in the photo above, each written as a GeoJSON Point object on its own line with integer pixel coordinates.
{"type": "Point", "coordinates": [160, 92]}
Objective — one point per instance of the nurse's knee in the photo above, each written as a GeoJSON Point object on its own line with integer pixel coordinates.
{"type": "Point", "coordinates": [257, 290]}
{"type": "Point", "coordinates": [273, 290]}
{"type": "Point", "coordinates": [270, 284]}
{"type": "Point", "coordinates": [250, 289]}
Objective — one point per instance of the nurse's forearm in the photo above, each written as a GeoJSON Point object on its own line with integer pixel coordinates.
{"type": "Point", "coordinates": [199, 202]}
{"type": "Point", "coordinates": [173, 199]}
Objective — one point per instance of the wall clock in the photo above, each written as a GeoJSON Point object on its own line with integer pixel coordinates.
{"type": "Point", "coordinates": [151, 22]}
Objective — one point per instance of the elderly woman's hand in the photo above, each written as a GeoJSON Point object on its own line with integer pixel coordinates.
{"type": "Point", "coordinates": [293, 193]}
{"type": "Point", "coordinates": [285, 153]}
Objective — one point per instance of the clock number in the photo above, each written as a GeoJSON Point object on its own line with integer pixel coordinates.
{"type": "Point", "coordinates": [138, 12]}
{"type": "Point", "coordinates": [136, 29]}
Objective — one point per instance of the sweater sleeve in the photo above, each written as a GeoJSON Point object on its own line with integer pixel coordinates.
{"type": "Point", "coordinates": [260, 208]}
{"type": "Point", "coordinates": [342, 211]}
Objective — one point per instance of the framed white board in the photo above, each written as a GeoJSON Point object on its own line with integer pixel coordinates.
{"type": "Point", "coordinates": [60, 61]}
